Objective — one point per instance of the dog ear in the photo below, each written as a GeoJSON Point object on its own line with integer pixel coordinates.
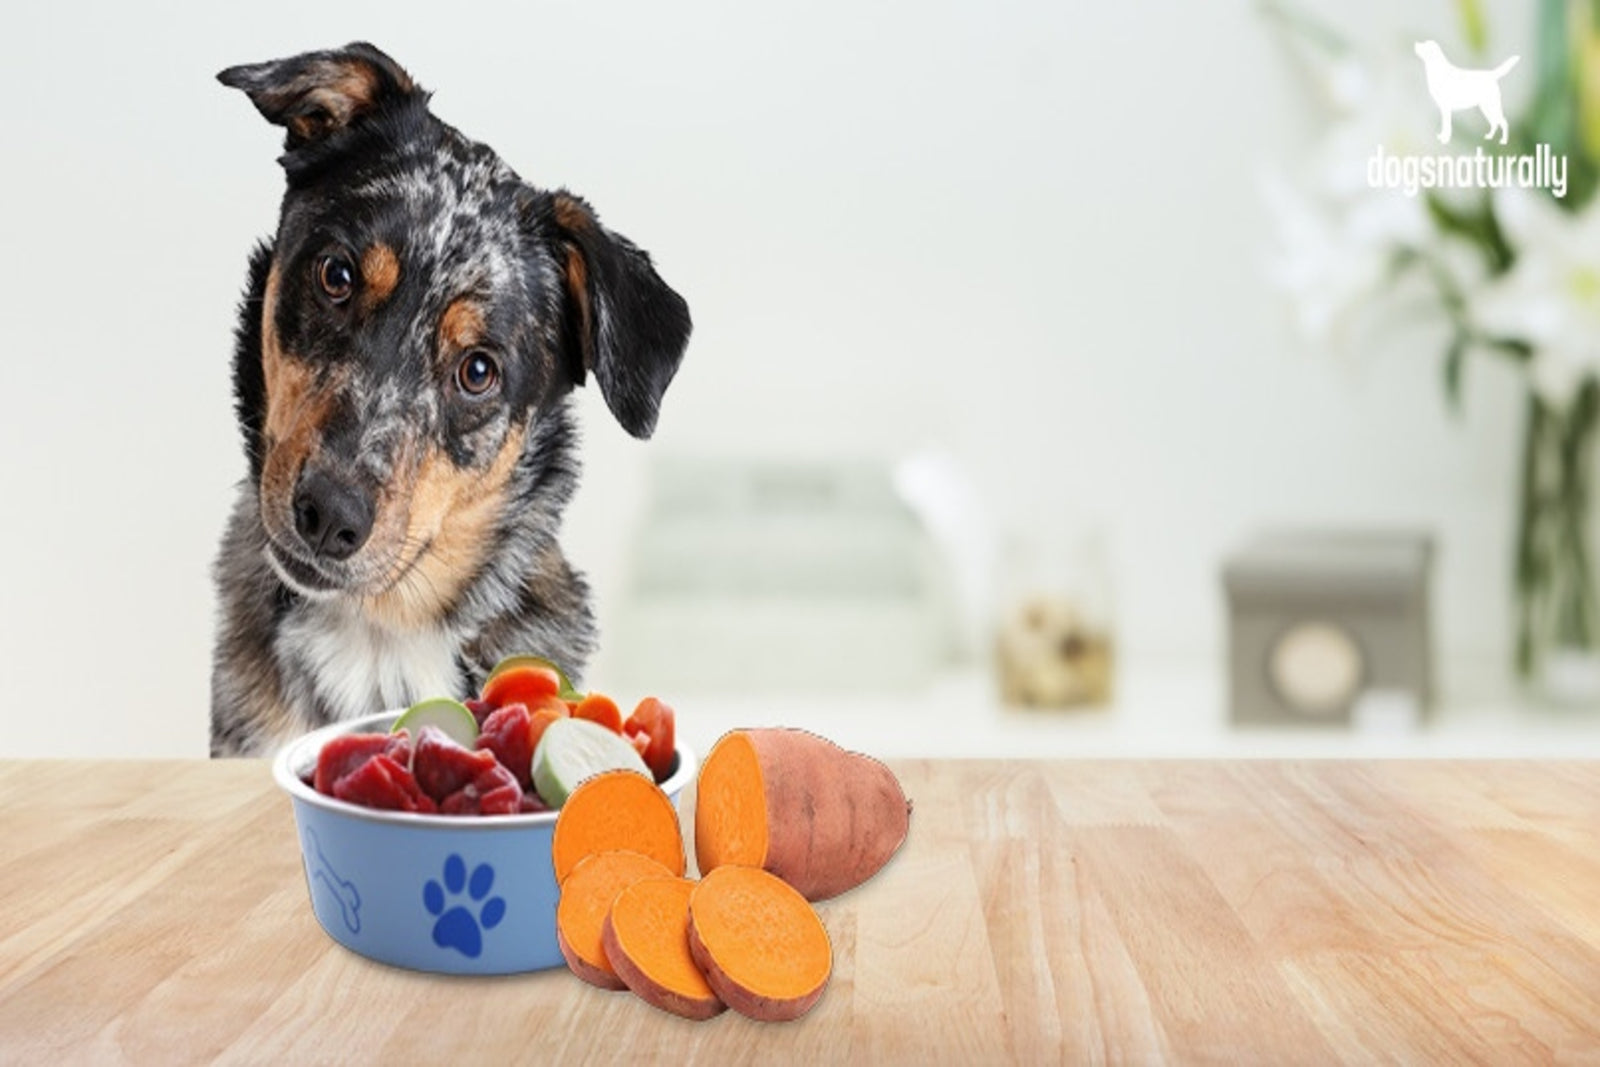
{"type": "Point", "coordinates": [314, 94]}
{"type": "Point", "coordinates": [621, 320]}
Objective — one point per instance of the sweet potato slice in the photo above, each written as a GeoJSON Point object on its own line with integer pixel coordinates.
{"type": "Point", "coordinates": [586, 898]}
{"type": "Point", "coordinates": [822, 819]}
{"type": "Point", "coordinates": [761, 946]}
{"type": "Point", "coordinates": [617, 810]}
{"type": "Point", "coordinates": [646, 938]}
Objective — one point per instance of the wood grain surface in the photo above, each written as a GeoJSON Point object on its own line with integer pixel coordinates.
{"type": "Point", "coordinates": [1076, 912]}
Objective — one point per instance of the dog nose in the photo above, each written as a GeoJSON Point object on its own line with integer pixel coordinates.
{"type": "Point", "coordinates": [332, 517]}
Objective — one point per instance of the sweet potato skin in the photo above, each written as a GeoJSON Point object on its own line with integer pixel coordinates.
{"type": "Point", "coordinates": [595, 976]}
{"type": "Point", "coordinates": [834, 817]}
{"type": "Point", "coordinates": [750, 1004]}
{"type": "Point", "coordinates": [648, 989]}
{"type": "Point", "coordinates": [601, 876]}
{"type": "Point", "coordinates": [657, 996]}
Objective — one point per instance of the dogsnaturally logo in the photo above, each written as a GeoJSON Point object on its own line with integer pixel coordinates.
{"type": "Point", "coordinates": [1456, 89]}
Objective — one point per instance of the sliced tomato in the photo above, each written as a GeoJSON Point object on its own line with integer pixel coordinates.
{"type": "Point", "coordinates": [656, 722]}
{"type": "Point", "coordinates": [640, 741]}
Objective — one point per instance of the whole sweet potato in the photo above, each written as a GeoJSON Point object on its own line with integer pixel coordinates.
{"type": "Point", "coordinates": [821, 818]}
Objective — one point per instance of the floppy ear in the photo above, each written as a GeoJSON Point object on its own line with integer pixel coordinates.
{"type": "Point", "coordinates": [622, 321]}
{"type": "Point", "coordinates": [316, 93]}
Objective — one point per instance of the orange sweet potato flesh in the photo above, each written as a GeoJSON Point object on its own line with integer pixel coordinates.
{"type": "Point", "coordinates": [617, 810]}
{"type": "Point", "coordinates": [760, 944]}
{"type": "Point", "coordinates": [646, 939]}
{"type": "Point", "coordinates": [821, 818]}
{"type": "Point", "coordinates": [586, 898]}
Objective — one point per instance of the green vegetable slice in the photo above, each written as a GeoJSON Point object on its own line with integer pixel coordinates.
{"type": "Point", "coordinates": [451, 716]}
{"type": "Point", "coordinates": [572, 750]}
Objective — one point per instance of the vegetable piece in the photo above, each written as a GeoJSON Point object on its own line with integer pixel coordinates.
{"type": "Point", "coordinates": [762, 948]}
{"type": "Point", "coordinates": [822, 819]}
{"type": "Point", "coordinates": [451, 716]}
{"type": "Point", "coordinates": [571, 750]}
{"type": "Point", "coordinates": [646, 939]}
{"type": "Point", "coordinates": [601, 709]}
{"type": "Point", "coordinates": [566, 691]}
{"type": "Point", "coordinates": [586, 898]}
{"type": "Point", "coordinates": [554, 705]}
{"type": "Point", "coordinates": [537, 725]}
{"type": "Point", "coordinates": [521, 685]}
{"type": "Point", "coordinates": [617, 810]}
{"type": "Point", "coordinates": [657, 722]}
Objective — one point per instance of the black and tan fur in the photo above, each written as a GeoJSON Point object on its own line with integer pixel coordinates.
{"type": "Point", "coordinates": [440, 555]}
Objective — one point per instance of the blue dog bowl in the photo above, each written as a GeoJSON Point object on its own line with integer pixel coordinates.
{"type": "Point", "coordinates": [468, 894]}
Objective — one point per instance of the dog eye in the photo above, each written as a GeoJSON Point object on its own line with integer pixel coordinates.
{"type": "Point", "coordinates": [477, 373]}
{"type": "Point", "coordinates": [337, 277]}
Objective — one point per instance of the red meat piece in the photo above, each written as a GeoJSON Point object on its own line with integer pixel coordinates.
{"type": "Point", "coordinates": [400, 748]}
{"type": "Point", "coordinates": [343, 755]}
{"type": "Point", "coordinates": [480, 709]}
{"type": "Point", "coordinates": [532, 804]}
{"type": "Point", "coordinates": [443, 767]}
{"type": "Point", "coordinates": [508, 733]}
{"type": "Point", "coordinates": [380, 782]}
{"type": "Point", "coordinates": [493, 792]}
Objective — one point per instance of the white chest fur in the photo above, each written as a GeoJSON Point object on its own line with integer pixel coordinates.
{"type": "Point", "coordinates": [357, 667]}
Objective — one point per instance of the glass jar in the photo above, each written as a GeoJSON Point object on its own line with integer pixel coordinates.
{"type": "Point", "coordinates": [1054, 644]}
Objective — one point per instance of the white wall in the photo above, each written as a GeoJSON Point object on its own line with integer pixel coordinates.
{"type": "Point", "coordinates": [1028, 233]}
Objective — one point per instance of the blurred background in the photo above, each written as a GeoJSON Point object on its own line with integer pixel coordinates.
{"type": "Point", "coordinates": [1058, 386]}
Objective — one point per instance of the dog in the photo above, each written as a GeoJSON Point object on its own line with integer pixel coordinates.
{"type": "Point", "coordinates": [405, 349]}
{"type": "Point", "coordinates": [1454, 89]}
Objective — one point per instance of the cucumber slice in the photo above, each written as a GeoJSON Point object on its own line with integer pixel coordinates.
{"type": "Point", "coordinates": [510, 662]}
{"type": "Point", "coordinates": [451, 716]}
{"type": "Point", "coordinates": [574, 749]}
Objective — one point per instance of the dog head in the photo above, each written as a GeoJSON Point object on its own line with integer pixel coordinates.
{"type": "Point", "coordinates": [420, 307]}
{"type": "Point", "coordinates": [1429, 51]}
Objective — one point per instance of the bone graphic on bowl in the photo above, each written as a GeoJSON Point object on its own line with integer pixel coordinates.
{"type": "Point", "coordinates": [343, 890]}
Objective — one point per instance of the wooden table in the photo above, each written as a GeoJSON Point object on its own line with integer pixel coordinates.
{"type": "Point", "coordinates": [156, 912]}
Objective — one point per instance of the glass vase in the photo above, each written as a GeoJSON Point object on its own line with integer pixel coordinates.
{"type": "Point", "coordinates": [1557, 597]}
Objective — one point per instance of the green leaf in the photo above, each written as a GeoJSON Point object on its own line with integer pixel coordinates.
{"type": "Point", "coordinates": [1477, 224]}
{"type": "Point", "coordinates": [1554, 118]}
{"type": "Point", "coordinates": [1586, 79]}
{"type": "Point", "coordinates": [1455, 359]}
{"type": "Point", "coordinates": [1473, 27]}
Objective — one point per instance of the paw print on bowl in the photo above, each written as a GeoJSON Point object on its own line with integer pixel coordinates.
{"type": "Point", "coordinates": [459, 924]}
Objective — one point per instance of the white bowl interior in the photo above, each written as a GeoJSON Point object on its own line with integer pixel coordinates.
{"type": "Point", "coordinates": [298, 759]}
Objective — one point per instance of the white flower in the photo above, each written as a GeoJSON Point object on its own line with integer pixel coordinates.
{"type": "Point", "coordinates": [1382, 104]}
{"type": "Point", "coordinates": [1550, 297]}
{"type": "Point", "coordinates": [1338, 236]}
{"type": "Point", "coordinates": [1333, 258]}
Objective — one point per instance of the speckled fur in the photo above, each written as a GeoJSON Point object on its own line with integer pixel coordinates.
{"type": "Point", "coordinates": [463, 566]}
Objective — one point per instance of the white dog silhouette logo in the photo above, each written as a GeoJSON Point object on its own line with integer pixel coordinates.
{"type": "Point", "coordinates": [1454, 89]}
